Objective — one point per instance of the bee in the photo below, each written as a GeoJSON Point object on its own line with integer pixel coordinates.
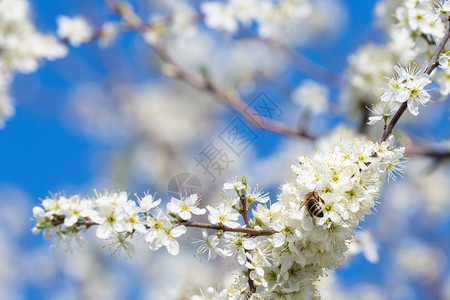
{"type": "Point", "coordinates": [313, 206]}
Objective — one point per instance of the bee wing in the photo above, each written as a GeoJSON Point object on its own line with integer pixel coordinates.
{"type": "Point", "coordinates": [305, 199]}
{"type": "Point", "coordinates": [302, 204]}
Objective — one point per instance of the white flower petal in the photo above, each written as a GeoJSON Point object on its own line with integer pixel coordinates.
{"type": "Point", "coordinates": [178, 231]}
{"type": "Point", "coordinates": [104, 231]}
{"type": "Point", "coordinates": [278, 239]}
{"type": "Point", "coordinates": [173, 247]}
{"type": "Point", "coordinates": [413, 107]}
{"type": "Point", "coordinates": [249, 244]}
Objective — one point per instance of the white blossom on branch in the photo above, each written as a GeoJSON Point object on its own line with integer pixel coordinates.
{"type": "Point", "coordinates": [302, 235]}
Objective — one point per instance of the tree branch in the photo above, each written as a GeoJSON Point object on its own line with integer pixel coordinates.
{"type": "Point", "coordinates": [112, 5]}
{"type": "Point", "coordinates": [434, 62]}
{"type": "Point", "coordinates": [363, 126]}
{"type": "Point", "coordinates": [235, 102]}
{"type": "Point", "coordinates": [244, 212]}
{"type": "Point", "coordinates": [429, 152]}
{"type": "Point", "coordinates": [58, 220]}
{"type": "Point", "coordinates": [251, 231]}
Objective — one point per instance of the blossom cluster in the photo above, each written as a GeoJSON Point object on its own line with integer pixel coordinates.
{"type": "Point", "coordinates": [311, 96]}
{"type": "Point", "coordinates": [269, 15]}
{"type": "Point", "coordinates": [276, 20]}
{"type": "Point", "coordinates": [416, 24]}
{"type": "Point", "coordinates": [347, 181]}
{"type": "Point", "coordinates": [406, 85]}
{"type": "Point", "coordinates": [365, 74]}
{"type": "Point", "coordinates": [414, 29]}
{"type": "Point", "coordinates": [117, 218]}
{"type": "Point", "coordinates": [281, 248]}
{"type": "Point", "coordinates": [76, 30]}
{"type": "Point", "coordinates": [22, 49]}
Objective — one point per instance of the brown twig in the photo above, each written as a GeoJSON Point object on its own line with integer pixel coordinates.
{"type": "Point", "coordinates": [434, 62]}
{"type": "Point", "coordinates": [250, 231]}
{"type": "Point", "coordinates": [363, 126]}
{"type": "Point", "coordinates": [58, 220]}
{"type": "Point", "coordinates": [112, 5]}
{"type": "Point", "coordinates": [244, 212]}
{"type": "Point", "coordinates": [428, 152]}
{"type": "Point", "coordinates": [235, 102]}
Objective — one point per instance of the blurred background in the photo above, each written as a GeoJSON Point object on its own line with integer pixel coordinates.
{"type": "Point", "coordinates": [114, 118]}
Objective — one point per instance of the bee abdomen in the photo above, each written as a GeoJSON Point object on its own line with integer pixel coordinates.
{"type": "Point", "coordinates": [314, 208]}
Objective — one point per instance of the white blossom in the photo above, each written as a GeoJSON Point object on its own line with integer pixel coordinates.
{"type": "Point", "coordinates": [74, 208]}
{"type": "Point", "coordinates": [257, 195]}
{"type": "Point", "coordinates": [408, 85]}
{"type": "Point", "coordinates": [235, 247]}
{"type": "Point", "coordinates": [147, 203]}
{"type": "Point", "coordinates": [119, 241]}
{"type": "Point", "coordinates": [110, 219]}
{"type": "Point", "coordinates": [13, 10]}
{"type": "Point", "coordinates": [235, 184]}
{"type": "Point", "coordinates": [443, 79]}
{"type": "Point", "coordinates": [185, 207]}
{"type": "Point", "coordinates": [22, 49]}
{"type": "Point", "coordinates": [157, 234]}
{"type": "Point", "coordinates": [132, 219]}
{"type": "Point", "coordinates": [396, 90]}
{"type": "Point", "coordinates": [108, 34]}
{"type": "Point", "coordinates": [211, 293]}
{"type": "Point", "coordinates": [244, 10]}
{"type": "Point", "coordinates": [171, 243]}
{"type": "Point", "coordinates": [444, 61]}
{"type": "Point", "coordinates": [311, 96]}
{"type": "Point", "coordinates": [382, 111]}
{"type": "Point", "coordinates": [223, 214]}
{"type": "Point", "coordinates": [219, 16]}
{"type": "Point", "coordinates": [441, 9]}
{"type": "Point", "coordinates": [76, 30]}
{"type": "Point", "coordinates": [208, 243]}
